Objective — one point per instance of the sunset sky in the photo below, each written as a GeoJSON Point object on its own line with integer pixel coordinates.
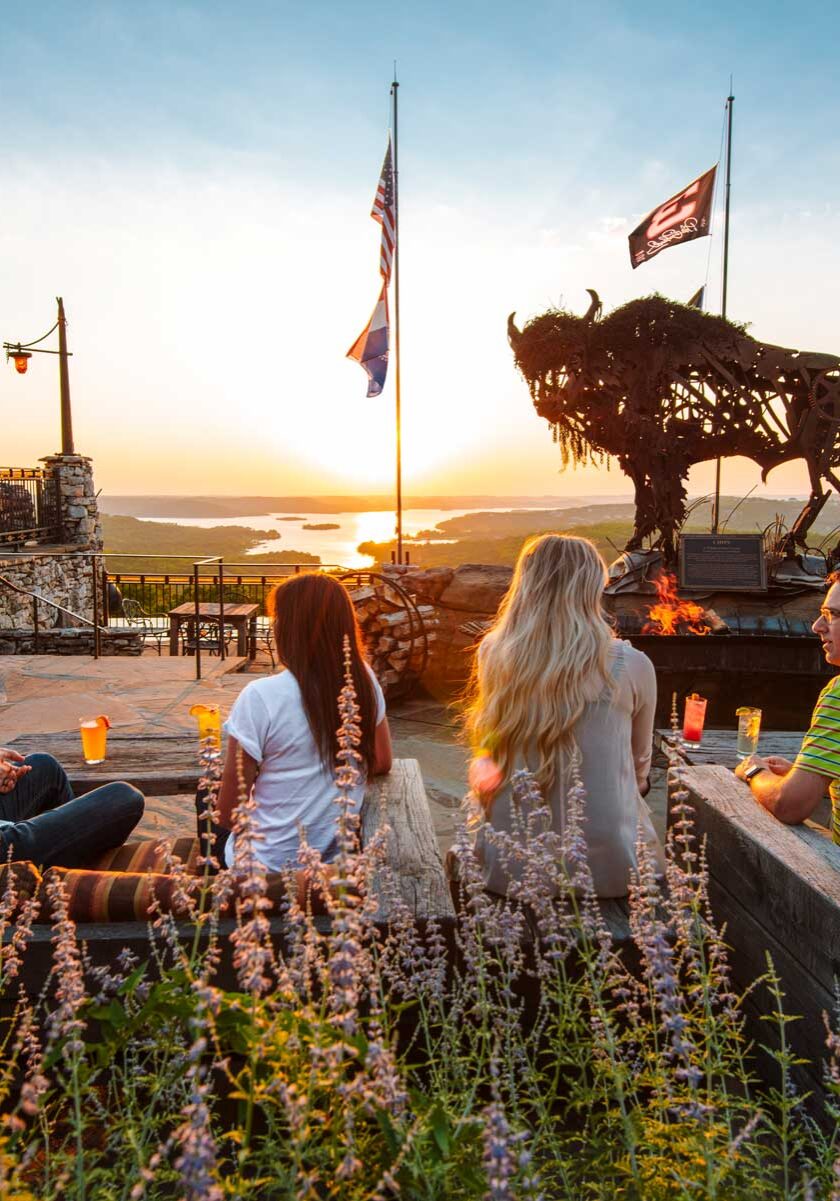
{"type": "Point", "coordinates": [196, 179]}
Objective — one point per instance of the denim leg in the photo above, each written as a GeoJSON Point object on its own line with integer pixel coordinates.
{"type": "Point", "coordinates": [74, 834]}
{"type": "Point", "coordinates": [44, 787]}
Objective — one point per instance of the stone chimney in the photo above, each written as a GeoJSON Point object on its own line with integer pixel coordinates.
{"type": "Point", "coordinates": [79, 510]}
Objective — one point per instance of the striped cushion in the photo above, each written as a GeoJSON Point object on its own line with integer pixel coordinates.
{"type": "Point", "coordinates": [26, 877]}
{"type": "Point", "coordinates": [146, 856]}
{"type": "Point", "coordinates": [123, 891]}
{"type": "Point", "coordinates": [94, 896]}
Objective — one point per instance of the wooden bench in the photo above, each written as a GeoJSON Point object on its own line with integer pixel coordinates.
{"type": "Point", "coordinates": [398, 800]}
{"type": "Point", "coordinates": [775, 888]}
{"type": "Point", "coordinates": [158, 764]}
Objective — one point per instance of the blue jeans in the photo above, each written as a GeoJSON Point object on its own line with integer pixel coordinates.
{"type": "Point", "coordinates": [53, 828]}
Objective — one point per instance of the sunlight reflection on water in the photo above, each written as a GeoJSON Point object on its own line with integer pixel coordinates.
{"type": "Point", "coordinates": [333, 546]}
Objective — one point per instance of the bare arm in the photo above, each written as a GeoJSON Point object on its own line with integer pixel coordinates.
{"type": "Point", "coordinates": [641, 737]}
{"type": "Point", "coordinates": [230, 787]}
{"type": "Point", "coordinates": [383, 755]}
{"type": "Point", "coordinates": [790, 797]}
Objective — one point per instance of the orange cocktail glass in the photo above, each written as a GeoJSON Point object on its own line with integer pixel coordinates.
{"type": "Point", "coordinates": [94, 732]}
{"type": "Point", "coordinates": [209, 724]}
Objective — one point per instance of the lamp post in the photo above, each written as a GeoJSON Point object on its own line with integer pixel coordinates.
{"type": "Point", "coordinates": [21, 352]}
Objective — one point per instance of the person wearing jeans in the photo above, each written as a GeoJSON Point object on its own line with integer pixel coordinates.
{"type": "Point", "coordinates": [41, 820]}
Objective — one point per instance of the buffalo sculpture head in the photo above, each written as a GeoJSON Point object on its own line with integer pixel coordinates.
{"type": "Point", "coordinates": [660, 386]}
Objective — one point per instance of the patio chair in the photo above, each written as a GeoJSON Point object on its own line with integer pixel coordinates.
{"type": "Point", "coordinates": [208, 637]}
{"type": "Point", "coordinates": [208, 631]}
{"type": "Point", "coordinates": [265, 637]}
{"type": "Point", "coordinates": [264, 633]}
{"type": "Point", "coordinates": [136, 617]}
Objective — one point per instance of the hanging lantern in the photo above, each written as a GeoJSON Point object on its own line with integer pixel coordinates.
{"type": "Point", "coordinates": [20, 358]}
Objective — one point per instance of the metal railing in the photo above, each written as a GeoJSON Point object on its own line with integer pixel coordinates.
{"type": "Point", "coordinates": [43, 600]}
{"type": "Point", "coordinates": [30, 505]}
{"type": "Point", "coordinates": [158, 592]}
{"type": "Point", "coordinates": [210, 581]}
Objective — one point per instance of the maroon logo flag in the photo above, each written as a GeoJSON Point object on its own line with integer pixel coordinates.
{"type": "Point", "coordinates": [686, 216]}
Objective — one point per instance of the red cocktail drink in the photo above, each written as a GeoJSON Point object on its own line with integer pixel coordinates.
{"type": "Point", "coordinates": [695, 715]}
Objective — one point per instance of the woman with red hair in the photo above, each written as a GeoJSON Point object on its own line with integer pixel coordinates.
{"type": "Point", "coordinates": [285, 725]}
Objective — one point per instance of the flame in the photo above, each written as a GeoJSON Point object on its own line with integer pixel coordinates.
{"type": "Point", "coordinates": [671, 615]}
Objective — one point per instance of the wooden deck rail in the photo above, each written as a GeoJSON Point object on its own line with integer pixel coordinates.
{"type": "Point", "coordinates": [774, 888]}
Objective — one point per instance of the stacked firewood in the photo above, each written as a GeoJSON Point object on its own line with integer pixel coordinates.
{"type": "Point", "coordinates": [387, 626]}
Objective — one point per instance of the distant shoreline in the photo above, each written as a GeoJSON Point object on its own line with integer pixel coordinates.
{"type": "Point", "coordinates": [151, 505]}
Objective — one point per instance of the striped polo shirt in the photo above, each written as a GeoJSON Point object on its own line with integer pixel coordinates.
{"type": "Point", "coordinates": [820, 750]}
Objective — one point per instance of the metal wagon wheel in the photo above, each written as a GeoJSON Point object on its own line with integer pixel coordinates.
{"type": "Point", "coordinates": [417, 632]}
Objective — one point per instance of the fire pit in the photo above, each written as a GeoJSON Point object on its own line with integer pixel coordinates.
{"type": "Point", "coordinates": [671, 615]}
{"type": "Point", "coordinates": [747, 650]}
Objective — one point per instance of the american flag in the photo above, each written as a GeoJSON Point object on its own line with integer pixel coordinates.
{"type": "Point", "coordinates": [384, 211]}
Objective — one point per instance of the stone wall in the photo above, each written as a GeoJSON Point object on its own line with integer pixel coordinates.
{"type": "Point", "coordinates": [456, 603]}
{"type": "Point", "coordinates": [432, 639]}
{"type": "Point", "coordinates": [65, 575]}
{"type": "Point", "coordinates": [67, 580]}
{"type": "Point", "coordinates": [77, 641]}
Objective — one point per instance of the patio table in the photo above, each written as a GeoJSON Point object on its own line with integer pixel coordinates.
{"type": "Point", "coordinates": [242, 616]}
{"type": "Point", "coordinates": [717, 748]}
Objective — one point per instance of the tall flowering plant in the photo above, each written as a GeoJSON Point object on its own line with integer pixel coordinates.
{"type": "Point", "coordinates": [315, 1051]}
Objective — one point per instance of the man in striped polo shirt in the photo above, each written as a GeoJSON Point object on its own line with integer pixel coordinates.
{"type": "Point", "coordinates": [792, 791]}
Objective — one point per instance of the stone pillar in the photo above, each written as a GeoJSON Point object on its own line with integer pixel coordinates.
{"type": "Point", "coordinates": [79, 510]}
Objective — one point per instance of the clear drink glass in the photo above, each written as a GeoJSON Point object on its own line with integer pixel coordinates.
{"type": "Point", "coordinates": [94, 734]}
{"type": "Point", "coordinates": [749, 725]}
{"type": "Point", "coordinates": [695, 715]}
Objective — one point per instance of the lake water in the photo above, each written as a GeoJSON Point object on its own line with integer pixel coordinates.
{"type": "Point", "coordinates": [333, 546]}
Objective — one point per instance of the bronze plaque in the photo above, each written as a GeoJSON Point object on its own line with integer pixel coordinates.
{"type": "Point", "coordinates": [730, 562]}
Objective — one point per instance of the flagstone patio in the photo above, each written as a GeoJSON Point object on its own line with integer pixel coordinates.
{"type": "Point", "coordinates": [47, 694]}
{"type": "Point", "coordinates": [41, 694]}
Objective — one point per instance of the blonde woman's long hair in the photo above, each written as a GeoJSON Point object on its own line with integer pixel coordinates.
{"type": "Point", "coordinates": [544, 658]}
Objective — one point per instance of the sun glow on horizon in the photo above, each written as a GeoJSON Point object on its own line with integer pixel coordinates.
{"type": "Point", "coordinates": [358, 450]}
{"type": "Point", "coordinates": [217, 259]}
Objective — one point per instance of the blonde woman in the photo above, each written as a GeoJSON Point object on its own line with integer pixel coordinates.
{"type": "Point", "coordinates": [550, 680]}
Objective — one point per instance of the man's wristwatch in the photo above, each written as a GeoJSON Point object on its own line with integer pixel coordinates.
{"type": "Point", "coordinates": [753, 771]}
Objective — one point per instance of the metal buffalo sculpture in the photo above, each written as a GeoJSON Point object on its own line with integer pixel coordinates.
{"type": "Point", "coordinates": [660, 386]}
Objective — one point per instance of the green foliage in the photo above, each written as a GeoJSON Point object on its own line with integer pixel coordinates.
{"type": "Point", "coordinates": [497, 538]}
{"type": "Point", "coordinates": [361, 1064]}
{"type": "Point", "coordinates": [608, 536]}
{"type": "Point", "coordinates": [130, 536]}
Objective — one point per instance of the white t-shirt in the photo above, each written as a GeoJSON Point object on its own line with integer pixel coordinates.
{"type": "Point", "coordinates": [292, 787]}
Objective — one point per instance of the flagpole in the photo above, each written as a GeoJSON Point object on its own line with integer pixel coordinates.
{"type": "Point", "coordinates": [394, 87]}
{"type": "Point", "coordinates": [730, 100]}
